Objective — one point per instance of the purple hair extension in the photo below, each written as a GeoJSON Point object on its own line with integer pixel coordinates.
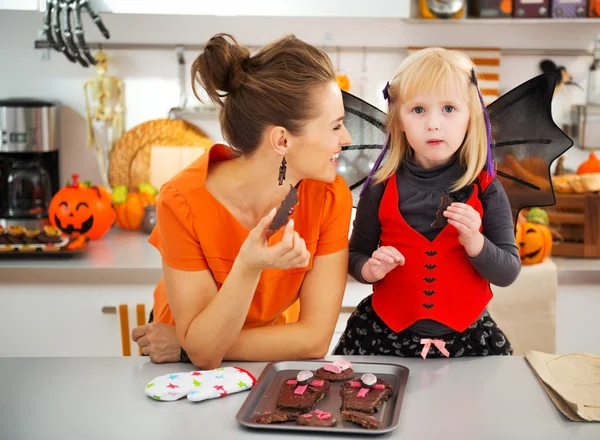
{"type": "Point", "coordinates": [488, 128]}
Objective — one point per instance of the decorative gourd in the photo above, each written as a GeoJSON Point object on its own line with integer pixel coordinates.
{"type": "Point", "coordinates": [538, 215]}
{"type": "Point", "coordinates": [591, 165]}
{"type": "Point", "coordinates": [82, 209]}
{"type": "Point", "coordinates": [344, 82]}
{"type": "Point", "coordinates": [534, 241]}
{"type": "Point", "coordinates": [129, 205]}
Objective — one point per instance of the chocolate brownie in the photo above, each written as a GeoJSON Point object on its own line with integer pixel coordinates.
{"type": "Point", "coordinates": [318, 418]}
{"type": "Point", "coordinates": [285, 209]}
{"type": "Point", "coordinates": [441, 221]}
{"type": "Point", "coordinates": [273, 417]}
{"type": "Point", "coordinates": [337, 371]}
{"type": "Point", "coordinates": [301, 393]}
{"type": "Point", "coordinates": [362, 419]}
{"type": "Point", "coordinates": [358, 397]}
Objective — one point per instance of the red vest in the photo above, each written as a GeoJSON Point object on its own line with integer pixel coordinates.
{"type": "Point", "coordinates": [437, 281]}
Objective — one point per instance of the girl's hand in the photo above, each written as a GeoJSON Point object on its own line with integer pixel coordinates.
{"type": "Point", "coordinates": [383, 260]}
{"type": "Point", "coordinates": [467, 222]}
{"type": "Point", "coordinates": [290, 252]}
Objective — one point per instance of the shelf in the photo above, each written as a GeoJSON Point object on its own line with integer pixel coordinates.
{"type": "Point", "coordinates": [43, 44]}
{"type": "Point", "coordinates": [500, 21]}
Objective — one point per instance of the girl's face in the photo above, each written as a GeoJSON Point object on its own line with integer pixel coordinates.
{"type": "Point", "coordinates": [435, 126]}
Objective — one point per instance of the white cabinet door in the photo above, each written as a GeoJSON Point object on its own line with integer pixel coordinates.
{"type": "Point", "coordinates": [66, 319]}
{"type": "Point", "coordinates": [20, 5]}
{"type": "Point", "coordinates": [305, 8]}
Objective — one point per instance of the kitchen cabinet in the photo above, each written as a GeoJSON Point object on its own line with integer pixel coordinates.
{"type": "Point", "coordinates": [306, 8]}
{"type": "Point", "coordinates": [60, 320]}
{"type": "Point", "coordinates": [19, 5]}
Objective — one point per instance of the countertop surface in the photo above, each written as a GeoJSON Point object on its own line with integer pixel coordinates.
{"type": "Point", "coordinates": [126, 256]}
{"type": "Point", "coordinates": [103, 398]}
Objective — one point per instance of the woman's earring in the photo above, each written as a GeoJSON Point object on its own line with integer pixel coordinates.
{"type": "Point", "coordinates": [282, 170]}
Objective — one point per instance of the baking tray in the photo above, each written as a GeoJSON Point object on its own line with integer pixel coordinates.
{"type": "Point", "coordinates": [37, 250]}
{"type": "Point", "coordinates": [263, 397]}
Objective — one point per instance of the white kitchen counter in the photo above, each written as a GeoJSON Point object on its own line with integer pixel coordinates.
{"type": "Point", "coordinates": [119, 256]}
{"type": "Point", "coordinates": [492, 398]}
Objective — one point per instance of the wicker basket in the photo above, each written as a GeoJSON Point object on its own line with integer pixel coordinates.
{"type": "Point", "coordinates": [130, 158]}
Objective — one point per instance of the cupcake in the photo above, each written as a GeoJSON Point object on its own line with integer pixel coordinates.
{"type": "Point", "coordinates": [51, 231]}
{"type": "Point", "coordinates": [15, 230]}
{"type": "Point", "coordinates": [50, 247]}
{"type": "Point", "coordinates": [29, 235]}
{"type": "Point", "coordinates": [15, 234]}
{"type": "Point", "coordinates": [26, 248]}
{"type": "Point", "coordinates": [50, 235]}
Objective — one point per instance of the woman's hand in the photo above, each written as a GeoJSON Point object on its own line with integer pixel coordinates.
{"type": "Point", "coordinates": [383, 260]}
{"type": "Point", "coordinates": [290, 252]}
{"type": "Point", "coordinates": [467, 222]}
{"type": "Point", "coordinates": [159, 341]}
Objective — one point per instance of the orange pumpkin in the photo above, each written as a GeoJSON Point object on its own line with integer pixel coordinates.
{"type": "Point", "coordinates": [82, 209]}
{"type": "Point", "coordinates": [591, 165]}
{"type": "Point", "coordinates": [534, 241]}
{"type": "Point", "coordinates": [344, 82]}
{"type": "Point", "coordinates": [131, 212]}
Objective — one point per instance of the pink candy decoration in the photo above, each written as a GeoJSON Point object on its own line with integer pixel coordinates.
{"type": "Point", "coordinates": [355, 384]}
{"type": "Point", "coordinates": [300, 389]}
{"type": "Point", "coordinates": [332, 368]}
{"type": "Point", "coordinates": [318, 411]}
{"type": "Point", "coordinates": [363, 392]}
{"type": "Point", "coordinates": [307, 416]}
{"type": "Point", "coordinates": [324, 416]}
{"type": "Point", "coordinates": [378, 386]}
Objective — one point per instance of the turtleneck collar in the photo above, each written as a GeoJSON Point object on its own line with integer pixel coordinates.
{"type": "Point", "coordinates": [440, 177]}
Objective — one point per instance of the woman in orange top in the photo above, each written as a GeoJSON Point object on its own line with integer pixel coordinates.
{"type": "Point", "coordinates": [232, 291]}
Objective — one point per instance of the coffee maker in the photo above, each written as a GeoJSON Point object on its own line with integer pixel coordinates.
{"type": "Point", "coordinates": [29, 169]}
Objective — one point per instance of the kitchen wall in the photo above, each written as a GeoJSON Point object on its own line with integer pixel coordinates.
{"type": "Point", "coordinates": [151, 76]}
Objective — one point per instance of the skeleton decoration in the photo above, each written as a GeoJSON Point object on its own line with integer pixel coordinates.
{"type": "Point", "coordinates": [64, 37]}
{"type": "Point", "coordinates": [105, 113]}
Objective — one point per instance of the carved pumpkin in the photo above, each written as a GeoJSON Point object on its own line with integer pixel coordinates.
{"type": "Point", "coordinates": [534, 241]}
{"type": "Point", "coordinates": [130, 205]}
{"type": "Point", "coordinates": [591, 165]}
{"type": "Point", "coordinates": [82, 209]}
{"type": "Point", "coordinates": [344, 82]}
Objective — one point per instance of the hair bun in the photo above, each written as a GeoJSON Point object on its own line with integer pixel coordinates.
{"type": "Point", "coordinates": [237, 73]}
{"type": "Point", "coordinates": [221, 66]}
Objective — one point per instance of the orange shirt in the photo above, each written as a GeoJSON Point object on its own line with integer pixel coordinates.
{"type": "Point", "coordinates": [195, 232]}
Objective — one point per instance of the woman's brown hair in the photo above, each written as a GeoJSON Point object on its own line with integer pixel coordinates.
{"type": "Point", "coordinates": [270, 88]}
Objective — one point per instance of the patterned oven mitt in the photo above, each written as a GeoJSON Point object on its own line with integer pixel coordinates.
{"type": "Point", "coordinates": [200, 385]}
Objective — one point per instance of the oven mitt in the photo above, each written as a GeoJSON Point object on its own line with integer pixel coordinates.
{"type": "Point", "coordinates": [200, 385]}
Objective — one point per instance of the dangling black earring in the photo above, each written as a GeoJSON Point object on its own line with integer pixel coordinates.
{"type": "Point", "coordinates": [282, 170]}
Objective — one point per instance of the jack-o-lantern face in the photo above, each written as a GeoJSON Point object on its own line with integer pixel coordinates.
{"type": "Point", "coordinates": [535, 242]}
{"type": "Point", "coordinates": [79, 209]}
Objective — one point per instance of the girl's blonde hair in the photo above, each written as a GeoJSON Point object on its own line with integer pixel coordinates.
{"type": "Point", "coordinates": [435, 70]}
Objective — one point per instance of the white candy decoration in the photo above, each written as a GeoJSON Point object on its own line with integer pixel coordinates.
{"type": "Point", "coordinates": [304, 377]}
{"type": "Point", "coordinates": [368, 380]}
{"type": "Point", "coordinates": [344, 365]}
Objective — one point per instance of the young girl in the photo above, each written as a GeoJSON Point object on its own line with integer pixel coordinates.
{"type": "Point", "coordinates": [431, 264]}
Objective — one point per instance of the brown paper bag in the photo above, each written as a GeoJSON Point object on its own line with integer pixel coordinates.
{"type": "Point", "coordinates": [572, 382]}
